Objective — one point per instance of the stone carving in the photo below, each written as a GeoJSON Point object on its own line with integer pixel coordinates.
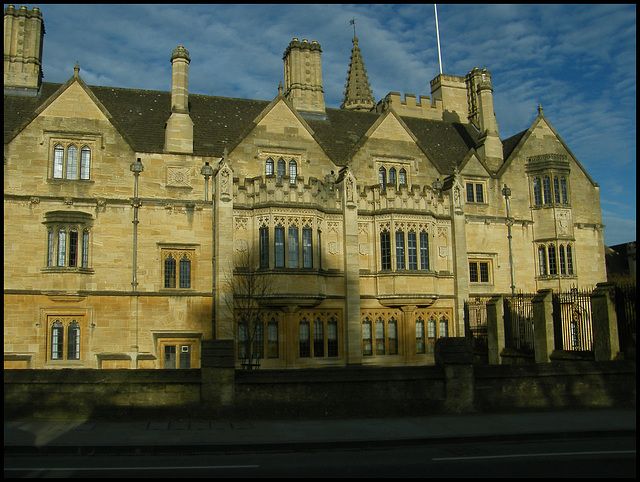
{"type": "Point", "coordinates": [178, 176]}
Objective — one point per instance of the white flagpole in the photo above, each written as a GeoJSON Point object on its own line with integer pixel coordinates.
{"type": "Point", "coordinates": [438, 36]}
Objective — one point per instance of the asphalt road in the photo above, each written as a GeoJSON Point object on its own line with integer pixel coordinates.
{"type": "Point", "coordinates": [607, 456]}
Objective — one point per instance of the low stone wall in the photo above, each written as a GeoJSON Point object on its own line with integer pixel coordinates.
{"type": "Point", "coordinates": [98, 394]}
{"type": "Point", "coordinates": [318, 393]}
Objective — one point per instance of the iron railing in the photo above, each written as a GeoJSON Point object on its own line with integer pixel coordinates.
{"type": "Point", "coordinates": [572, 323]}
{"type": "Point", "coordinates": [518, 322]}
{"type": "Point", "coordinates": [626, 313]}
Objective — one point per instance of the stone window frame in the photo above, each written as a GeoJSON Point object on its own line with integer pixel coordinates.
{"type": "Point", "coordinates": [66, 317]}
{"type": "Point", "coordinates": [381, 322]}
{"type": "Point", "coordinates": [275, 237]}
{"type": "Point", "coordinates": [565, 259]}
{"type": "Point", "coordinates": [389, 231]}
{"type": "Point", "coordinates": [475, 184]}
{"type": "Point", "coordinates": [81, 142]}
{"type": "Point", "coordinates": [319, 326]}
{"type": "Point", "coordinates": [478, 262]}
{"type": "Point", "coordinates": [178, 251]}
{"type": "Point", "coordinates": [59, 226]}
{"type": "Point", "coordinates": [384, 168]}
{"type": "Point", "coordinates": [291, 164]}
{"type": "Point", "coordinates": [179, 342]}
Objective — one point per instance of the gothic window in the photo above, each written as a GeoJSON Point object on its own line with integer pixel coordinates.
{"type": "Point", "coordinates": [382, 177]}
{"type": "Point", "coordinates": [412, 250]}
{"type": "Point", "coordinates": [269, 167]}
{"type": "Point", "coordinates": [264, 247]}
{"type": "Point", "coordinates": [293, 171]}
{"type": "Point", "coordinates": [563, 189]}
{"type": "Point", "coordinates": [431, 331]}
{"type": "Point", "coordinates": [67, 239]}
{"type": "Point", "coordinates": [392, 176]}
{"type": "Point", "coordinates": [403, 176]}
{"type": "Point", "coordinates": [367, 344]}
{"type": "Point", "coordinates": [64, 337]}
{"type": "Point", "coordinates": [65, 161]}
{"type": "Point", "coordinates": [556, 189]}
{"type": "Point", "coordinates": [279, 246]}
{"type": "Point", "coordinates": [272, 339]}
{"type": "Point", "coordinates": [307, 248]}
{"type": "Point", "coordinates": [399, 250]}
{"type": "Point", "coordinates": [420, 338]}
{"type": "Point", "coordinates": [293, 247]}
{"type": "Point", "coordinates": [332, 338]}
{"type": "Point", "coordinates": [553, 269]}
{"type": "Point", "coordinates": [258, 340]}
{"type": "Point", "coordinates": [318, 338]}
{"type": "Point", "coordinates": [281, 169]}
{"type": "Point", "coordinates": [380, 337]}
{"type": "Point", "coordinates": [177, 265]}
{"type": "Point", "coordinates": [542, 260]}
{"type": "Point", "coordinates": [546, 189]}
{"type": "Point", "coordinates": [537, 191]}
{"type": "Point", "coordinates": [393, 336]}
{"type": "Point", "coordinates": [569, 260]}
{"type": "Point", "coordinates": [385, 250]}
{"type": "Point", "coordinates": [424, 250]}
{"type": "Point", "coordinates": [563, 267]}
{"type": "Point", "coordinates": [444, 327]}
{"type": "Point", "coordinates": [305, 346]}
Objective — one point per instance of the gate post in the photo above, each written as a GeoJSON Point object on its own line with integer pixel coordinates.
{"type": "Point", "coordinates": [543, 325]}
{"type": "Point", "coordinates": [606, 344]}
{"type": "Point", "coordinates": [218, 374]}
{"type": "Point", "coordinates": [495, 329]}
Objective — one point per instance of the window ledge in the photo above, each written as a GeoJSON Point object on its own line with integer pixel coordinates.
{"type": "Point", "coordinates": [64, 269]}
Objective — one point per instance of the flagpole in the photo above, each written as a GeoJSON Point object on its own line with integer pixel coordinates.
{"type": "Point", "coordinates": [438, 36]}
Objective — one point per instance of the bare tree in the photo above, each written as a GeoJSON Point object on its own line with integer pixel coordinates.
{"type": "Point", "coordinates": [250, 286]}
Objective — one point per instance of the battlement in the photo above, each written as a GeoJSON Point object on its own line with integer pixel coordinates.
{"type": "Point", "coordinates": [419, 199]}
{"type": "Point", "coordinates": [412, 105]}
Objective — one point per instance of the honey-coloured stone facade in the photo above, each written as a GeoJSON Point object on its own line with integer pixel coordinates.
{"type": "Point", "coordinates": [375, 224]}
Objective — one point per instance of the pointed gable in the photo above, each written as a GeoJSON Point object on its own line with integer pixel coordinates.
{"type": "Point", "coordinates": [74, 101]}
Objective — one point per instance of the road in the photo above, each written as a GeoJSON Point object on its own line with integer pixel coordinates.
{"type": "Point", "coordinates": [611, 456]}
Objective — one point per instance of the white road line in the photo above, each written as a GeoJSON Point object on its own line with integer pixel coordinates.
{"type": "Point", "coordinates": [550, 454]}
{"type": "Point", "coordinates": [39, 469]}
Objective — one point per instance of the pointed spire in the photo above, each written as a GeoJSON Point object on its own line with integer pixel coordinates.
{"type": "Point", "coordinates": [358, 95]}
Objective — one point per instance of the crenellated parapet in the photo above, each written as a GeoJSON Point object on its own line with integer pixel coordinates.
{"type": "Point", "coordinates": [418, 199]}
{"type": "Point", "coordinates": [412, 105]}
{"type": "Point", "coordinates": [262, 191]}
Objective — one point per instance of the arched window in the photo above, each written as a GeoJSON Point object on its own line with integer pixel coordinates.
{"type": "Point", "coordinates": [305, 347]}
{"type": "Point", "coordinates": [367, 346]}
{"type": "Point", "coordinates": [269, 167]}
{"type": "Point", "coordinates": [85, 162]}
{"type": "Point", "coordinates": [392, 176]}
{"type": "Point", "coordinates": [318, 338]}
{"type": "Point", "coordinates": [57, 340]}
{"type": "Point", "coordinates": [293, 171]}
{"type": "Point", "coordinates": [72, 162]}
{"type": "Point", "coordinates": [420, 338]}
{"type": "Point", "coordinates": [282, 169]}
{"type": "Point", "coordinates": [553, 269]}
{"type": "Point", "coordinates": [563, 267]}
{"type": "Point", "coordinates": [272, 339]}
{"type": "Point", "coordinates": [380, 338]}
{"type": "Point", "coordinates": [332, 337]}
{"type": "Point", "coordinates": [185, 272]}
{"type": "Point", "coordinates": [399, 249]}
{"type": "Point", "coordinates": [73, 341]}
{"type": "Point", "coordinates": [444, 327]}
{"type": "Point", "coordinates": [382, 177]}
{"type": "Point", "coordinates": [58, 161]}
{"type": "Point", "coordinates": [542, 260]}
{"type": "Point", "coordinates": [403, 176]}
{"type": "Point", "coordinates": [170, 271]}
{"type": "Point", "coordinates": [393, 336]}
{"type": "Point", "coordinates": [569, 260]}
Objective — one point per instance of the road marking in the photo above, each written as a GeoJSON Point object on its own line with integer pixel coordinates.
{"type": "Point", "coordinates": [40, 469]}
{"type": "Point", "coordinates": [550, 454]}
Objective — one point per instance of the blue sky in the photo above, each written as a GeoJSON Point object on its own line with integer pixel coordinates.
{"type": "Point", "coordinates": [578, 61]}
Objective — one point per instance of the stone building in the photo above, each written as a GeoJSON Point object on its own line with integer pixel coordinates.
{"type": "Point", "coordinates": [125, 211]}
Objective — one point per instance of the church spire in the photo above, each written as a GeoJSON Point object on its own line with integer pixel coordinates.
{"type": "Point", "coordinates": [358, 95]}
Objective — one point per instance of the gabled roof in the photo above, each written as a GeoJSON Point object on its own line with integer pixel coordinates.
{"type": "Point", "coordinates": [221, 122]}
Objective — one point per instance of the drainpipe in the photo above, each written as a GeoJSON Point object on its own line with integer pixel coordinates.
{"type": "Point", "coordinates": [136, 168]}
{"type": "Point", "coordinates": [207, 172]}
{"type": "Point", "coordinates": [506, 192]}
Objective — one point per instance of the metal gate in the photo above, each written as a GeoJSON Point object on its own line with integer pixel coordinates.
{"type": "Point", "coordinates": [572, 325]}
{"type": "Point", "coordinates": [518, 322]}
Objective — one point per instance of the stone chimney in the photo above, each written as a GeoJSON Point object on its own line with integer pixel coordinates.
{"type": "Point", "coordinates": [179, 129]}
{"type": "Point", "coordinates": [303, 76]}
{"type": "Point", "coordinates": [23, 37]}
{"type": "Point", "coordinates": [482, 115]}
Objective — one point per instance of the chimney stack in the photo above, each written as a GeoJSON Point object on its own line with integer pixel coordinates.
{"type": "Point", "coordinates": [23, 38]}
{"type": "Point", "coordinates": [303, 76]}
{"type": "Point", "coordinates": [179, 128]}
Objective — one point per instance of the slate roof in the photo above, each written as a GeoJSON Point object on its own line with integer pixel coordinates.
{"type": "Point", "coordinates": [221, 122]}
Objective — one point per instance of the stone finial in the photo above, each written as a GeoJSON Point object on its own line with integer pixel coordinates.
{"type": "Point", "coordinates": [280, 88]}
{"type": "Point", "coordinates": [76, 69]}
{"type": "Point", "coordinates": [539, 109]}
{"type": "Point", "coordinates": [358, 95]}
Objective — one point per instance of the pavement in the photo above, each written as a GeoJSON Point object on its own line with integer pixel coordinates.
{"type": "Point", "coordinates": [212, 436]}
